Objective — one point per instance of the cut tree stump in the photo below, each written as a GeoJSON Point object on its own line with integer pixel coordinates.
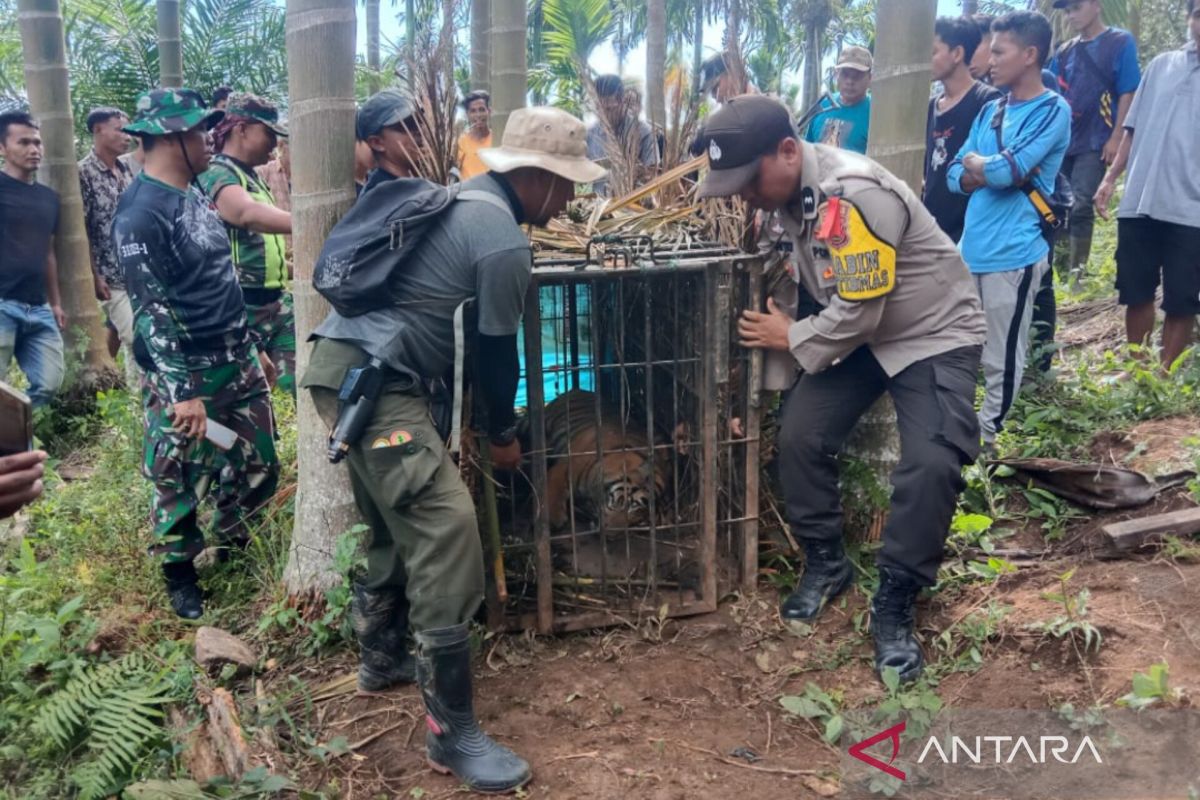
{"type": "Point", "coordinates": [1124, 537]}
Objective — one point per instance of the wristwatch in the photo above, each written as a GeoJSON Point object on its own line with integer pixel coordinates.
{"type": "Point", "coordinates": [505, 437]}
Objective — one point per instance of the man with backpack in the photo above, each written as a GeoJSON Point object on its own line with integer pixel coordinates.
{"type": "Point", "coordinates": [410, 270]}
{"type": "Point", "coordinates": [1098, 73]}
{"type": "Point", "coordinates": [1008, 166]}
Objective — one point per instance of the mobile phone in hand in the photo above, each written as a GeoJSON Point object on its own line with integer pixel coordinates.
{"type": "Point", "coordinates": [16, 421]}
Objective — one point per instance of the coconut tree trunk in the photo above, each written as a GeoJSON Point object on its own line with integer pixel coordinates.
{"type": "Point", "coordinates": [509, 77]}
{"type": "Point", "coordinates": [170, 48]}
{"type": "Point", "coordinates": [320, 48]}
{"type": "Point", "coordinates": [656, 62]}
{"type": "Point", "coordinates": [697, 45]}
{"type": "Point", "coordinates": [47, 84]}
{"type": "Point", "coordinates": [374, 80]}
{"type": "Point", "coordinates": [897, 141]}
{"type": "Point", "coordinates": [970, 7]}
{"type": "Point", "coordinates": [481, 58]}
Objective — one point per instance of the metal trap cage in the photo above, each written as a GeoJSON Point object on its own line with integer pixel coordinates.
{"type": "Point", "coordinates": [639, 494]}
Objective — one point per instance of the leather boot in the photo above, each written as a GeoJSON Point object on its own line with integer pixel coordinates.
{"type": "Point", "coordinates": [892, 625]}
{"type": "Point", "coordinates": [454, 742]}
{"type": "Point", "coordinates": [827, 573]}
{"type": "Point", "coordinates": [380, 621]}
{"type": "Point", "coordinates": [183, 588]}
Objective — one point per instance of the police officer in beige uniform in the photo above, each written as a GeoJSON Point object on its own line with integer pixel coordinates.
{"type": "Point", "coordinates": [899, 314]}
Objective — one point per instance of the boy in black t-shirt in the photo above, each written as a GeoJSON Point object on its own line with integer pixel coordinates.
{"type": "Point", "coordinates": [950, 116]}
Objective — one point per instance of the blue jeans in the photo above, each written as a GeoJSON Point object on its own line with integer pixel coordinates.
{"type": "Point", "coordinates": [31, 334]}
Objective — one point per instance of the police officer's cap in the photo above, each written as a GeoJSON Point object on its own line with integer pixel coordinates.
{"type": "Point", "coordinates": [736, 138]}
{"type": "Point", "coordinates": [382, 110]}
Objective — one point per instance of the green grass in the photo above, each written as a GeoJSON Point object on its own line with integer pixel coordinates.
{"type": "Point", "coordinates": [80, 591]}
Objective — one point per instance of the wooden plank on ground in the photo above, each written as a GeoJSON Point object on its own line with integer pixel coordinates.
{"type": "Point", "coordinates": [1133, 533]}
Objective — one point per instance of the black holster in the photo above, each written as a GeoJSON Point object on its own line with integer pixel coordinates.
{"type": "Point", "coordinates": [356, 405]}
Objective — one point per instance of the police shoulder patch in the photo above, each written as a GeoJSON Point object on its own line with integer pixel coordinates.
{"type": "Point", "coordinates": [864, 265]}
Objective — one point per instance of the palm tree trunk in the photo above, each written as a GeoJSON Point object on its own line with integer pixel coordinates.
{"type": "Point", "coordinates": [812, 63]}
{"type": "Point", "coordinates": [410, 31]}
{"type": "Point", "coordinates": [170, 49]}
{"type": "Point", "coordinates": [897, 141]}
{"type": "Point", "coordinates": [320, 48]}
{"type": "Point", "coordinates": [697, 45]}
{"type": "Point", "coordinates": [537, 47]}
{"type": "Point", "coordinates": [656, 63]}
{"type": "Point", "coordinates": [374, 80]}
{"type": "Point", "coordinates": [481, 23]}
{"type": "Point", "coordinates": [970, 7]}
{"type": "Point", "coordinates": [509, 78]}
{"type": "Point", "coordinates": [48, 85]}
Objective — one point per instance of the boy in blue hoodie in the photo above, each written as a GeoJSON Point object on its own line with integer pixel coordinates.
{"type": "Point", "coordinates": [1012, 154]}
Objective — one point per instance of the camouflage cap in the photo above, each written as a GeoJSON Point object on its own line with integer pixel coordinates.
{"type": "Point", "coordinates": [163, 111]}
{"type": "Point", "coordinates": [252, 107]}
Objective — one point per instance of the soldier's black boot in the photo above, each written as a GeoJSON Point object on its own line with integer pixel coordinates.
{"type": "Point", "coordinates": [892, 625]}
{"type": "Point", "coordinates": [381, 624]}
{"type": "Point", "coordinates": [454, 742]}
{"type": "Point", "coordinates": [827, 573]}
{"type": "Point", "coordinates": [183, 589]}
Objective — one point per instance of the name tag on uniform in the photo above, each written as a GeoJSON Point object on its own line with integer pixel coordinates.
{"type": "Point", "coordinates": [864, 266]}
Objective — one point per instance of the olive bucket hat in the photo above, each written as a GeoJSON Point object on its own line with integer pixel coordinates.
{"type": "Point", "coordinates": [163, 111]}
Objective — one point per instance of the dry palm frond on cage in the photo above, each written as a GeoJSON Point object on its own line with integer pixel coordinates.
{"type": "Point", "coordinates": [684, 222]}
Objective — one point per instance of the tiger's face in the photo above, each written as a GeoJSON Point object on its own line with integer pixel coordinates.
{"type": "Point", "coordinates": [629, 483]}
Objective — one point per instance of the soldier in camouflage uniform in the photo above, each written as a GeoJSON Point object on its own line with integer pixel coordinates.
{"type": "Point", "coordinates": [192, 341]}
{"type": "Point", "coordinates": [243, 140]}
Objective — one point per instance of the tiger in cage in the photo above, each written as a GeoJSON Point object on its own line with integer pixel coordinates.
{"type": "Point", "coordinates": [608, 471]}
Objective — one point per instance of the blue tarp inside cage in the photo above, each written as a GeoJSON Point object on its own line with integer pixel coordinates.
{"type": "Point", "coordinates": [559, 375]}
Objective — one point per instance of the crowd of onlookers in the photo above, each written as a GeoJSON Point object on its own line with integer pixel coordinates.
{"type": "Point", "coordinates": [1015, 122]}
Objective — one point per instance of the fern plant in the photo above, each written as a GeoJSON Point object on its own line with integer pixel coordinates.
{"type": "Point", "coordinates": [116, 709]}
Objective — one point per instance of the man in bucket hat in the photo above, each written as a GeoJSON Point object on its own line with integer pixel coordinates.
{"type": "Point", "coordinates": [243, 140]}
{"type": "Point", "coordinates": [191, 340]}
{"type": "Point", "coordinates": [424, 554]}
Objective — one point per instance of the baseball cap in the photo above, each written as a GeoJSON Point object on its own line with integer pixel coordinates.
{"type": "Point", "coordinates": [381, 110]}
{"type": "Point", "coordinates": [544, 138]}
{"type": "Point", "coordinates": [856, 57]}
{"type": "Point", "coordinates": [253, 107]}
{"type": "Point", "coordinates": [737, 136]}
{"type": "Point", "coordinates": [163, 111]}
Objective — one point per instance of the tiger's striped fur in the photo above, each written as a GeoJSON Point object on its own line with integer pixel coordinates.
{"type": "Point", "coordinates": [609, 474]}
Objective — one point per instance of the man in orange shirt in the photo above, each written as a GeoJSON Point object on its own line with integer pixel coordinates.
{"type": "Point", "coordinates": [477, 136]}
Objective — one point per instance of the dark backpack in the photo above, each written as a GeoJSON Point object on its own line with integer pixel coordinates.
{"type": "Point", "coordinates": [379, 234]}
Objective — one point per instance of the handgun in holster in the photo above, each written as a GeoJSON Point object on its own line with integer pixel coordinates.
{"type": "Point", "coordinates": [356, 404]}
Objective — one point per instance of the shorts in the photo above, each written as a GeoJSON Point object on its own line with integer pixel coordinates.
{"type": "Point", "coordinates": [1148, 248]}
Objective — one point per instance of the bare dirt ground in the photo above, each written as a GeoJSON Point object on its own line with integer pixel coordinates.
{"type": "Point", "coordinates": [662, 713]}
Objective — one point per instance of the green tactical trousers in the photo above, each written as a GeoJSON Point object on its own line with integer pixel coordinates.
{"type": "Point", "coordinates": [424, 537]}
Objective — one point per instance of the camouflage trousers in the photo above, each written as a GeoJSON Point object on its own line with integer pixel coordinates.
{"type": "Point", "coordinates": [273, 326]}
{"type": "Point", "coordinates": [183, 470]}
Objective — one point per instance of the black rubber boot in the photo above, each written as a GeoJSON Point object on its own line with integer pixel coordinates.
{"type": "Point", "coordinates": [380, 621]}
{"type": "Point", "coordinates": [827, 573]}
{"type": "Point", "coordinates": [454, 742]}
{"type": "Point", "coordinates": [183, 589]}
{"type": "Point", "coordinates": [892, 625]}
